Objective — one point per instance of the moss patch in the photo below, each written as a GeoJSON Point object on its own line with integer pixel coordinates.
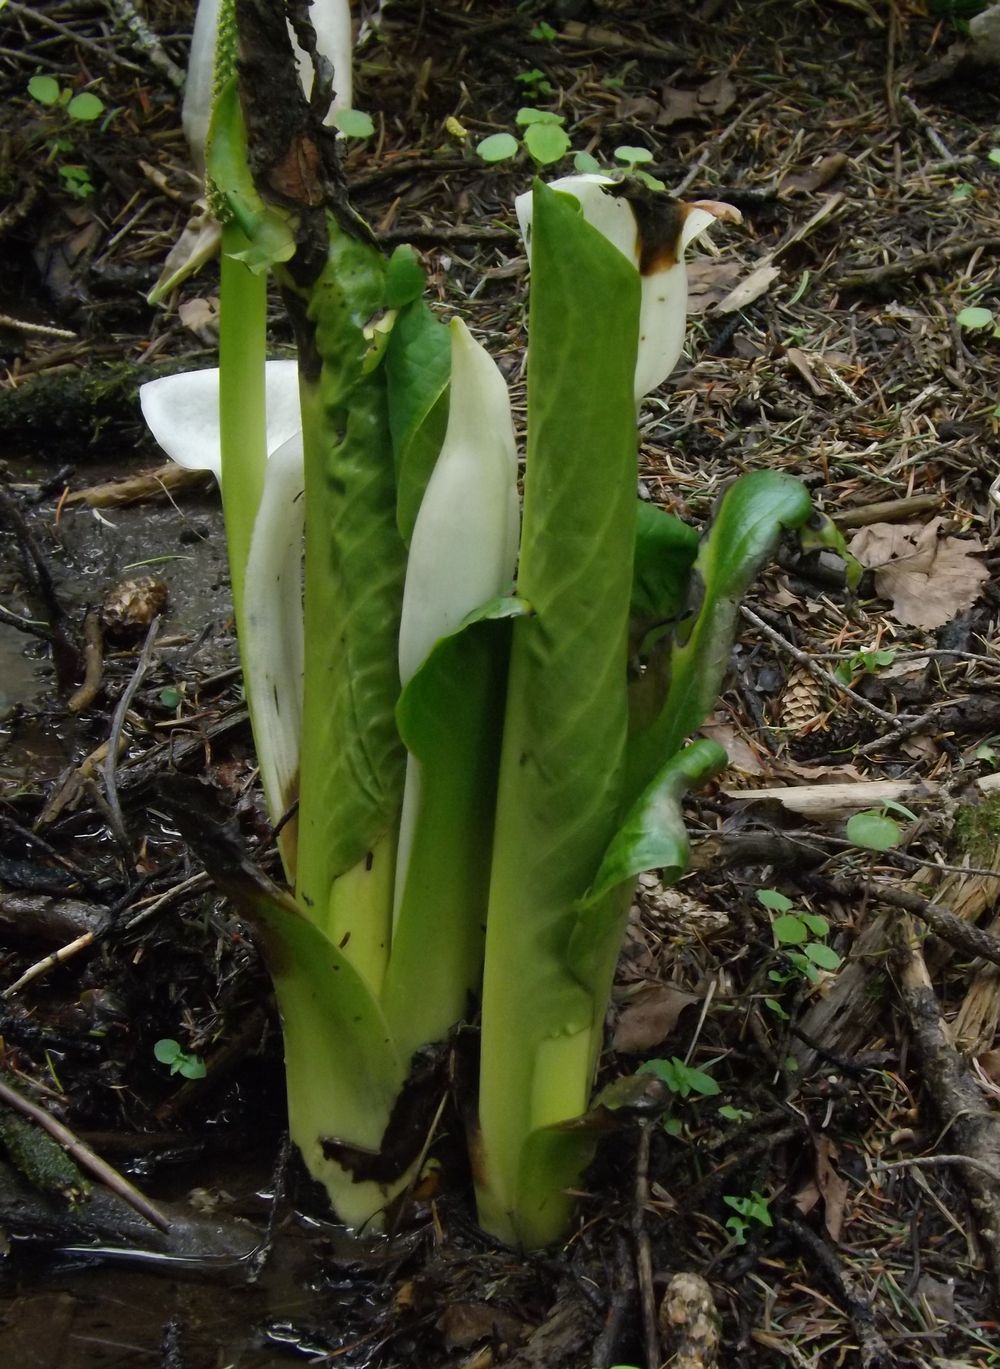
{"type": "Point", "coordinates": [977, 829]}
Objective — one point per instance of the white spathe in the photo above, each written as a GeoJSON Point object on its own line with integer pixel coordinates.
{"type": "Point", "coordinates": [663, 310]}
{"type": "Point", "coordinates": [332, 21]}
{"type": "Point", "coordinates": [182, 413]}
{"type": "Point", "coordinates": [464, 543]}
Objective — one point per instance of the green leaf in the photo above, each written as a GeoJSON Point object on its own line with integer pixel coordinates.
{"type": "Point", "coordinates": [789, 930]}
{"type": "Point", "coordinates": [560, 792]}
{"type": "Point", "coordinates": [743, 537]}
{"type": "Point", "coordinates": [543, 32]}
{"type": "Point", "coordinates": [649, 181]}
{"type": "Point", "coordinates": [526, 116]}
{"type": "Point", "coordinates": [353, 123]}
{"type": "Point", "coordinates": [232, 193]}
{"type": "Point", "coordinates": [498, 147]}
{"type": "Point", "coordinates": [546, 142]}
{"type": "Point", "coordinates": [962, 191]}
{"type": "Point", "coordinates": [974, 318]}
{"type": "Point", "coordinates": [417, 364]}
{"type": "Point", "coordinates": [352, 758]}
{"type": "Point", "coordinates": [994, 155]}
{"type": "Point", "coordinates": [653, 836]}
{"type": "Point", "coordinates": [899, 808]}
{"type": "Point", "coordinates": [816, 924]}
{"type": "Point", "coordinates": [771, 898]}
{"type": "Point", "coordinates": [85, 107]}
{"type": "Point", "coordinates": [404, 278]}
{"type": "Point", "coordinates": [700, 1082]}
{"type": "Point", "coordinates": [192, 1067]}
{"type": "Point", "coordinates": [586, 164]}
{"type": "Point", "coordinates": [665, 551]}
{"type": "Point", "coordinates": [450, 718]}
{"type": "Point", "coordinates": [167, 1050]}
{"type": "Point", "coordinates": [874, 830]}
{"type": "Point", "coordinates": [731, 1114]}
{"type": "Point", "coordinates": [822, 955]}
{"type": "Point", "coordinates": [44, 89]}
{"type": "Point", "coordinates": [170, 697]}
{"type": "Point", "coordinates": [633, 155]}
{"type": "Point", "coordinates": [776, 1008]}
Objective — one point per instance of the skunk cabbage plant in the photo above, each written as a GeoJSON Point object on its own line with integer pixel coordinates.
{"type": "Point", "coordinates": [482, 712]}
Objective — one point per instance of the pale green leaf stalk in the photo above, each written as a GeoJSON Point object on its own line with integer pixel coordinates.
{"type": "Point", "coordinates": [562, 769]}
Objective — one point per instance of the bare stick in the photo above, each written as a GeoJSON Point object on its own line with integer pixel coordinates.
{"type": "Point", "coordinates": [117, 723]}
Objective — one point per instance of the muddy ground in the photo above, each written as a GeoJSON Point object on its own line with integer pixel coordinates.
{"type": "Point", "coordinates": [854, 1130]}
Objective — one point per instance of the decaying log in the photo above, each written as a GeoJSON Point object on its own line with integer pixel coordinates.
{"type": "Point", "coordinates": [973, 1128]}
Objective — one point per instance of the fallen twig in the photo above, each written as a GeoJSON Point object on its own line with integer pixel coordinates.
{"type": "Point", "coordinates": [84, 1156]}
{"type": "Point", "coordinates": [920, 263]}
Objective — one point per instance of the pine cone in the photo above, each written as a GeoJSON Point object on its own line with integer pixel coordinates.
{"type": "Point", "coordinates": [801, 701]}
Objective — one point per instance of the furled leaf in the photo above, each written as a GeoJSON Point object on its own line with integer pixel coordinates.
{"type": "Point", "coordinates": [450, 718]}
{"type": "Point", "coordinates": [653, 836]}
{"type": "Point", "coordinates": [665, 551]}
{"type": "Point", "coordinates": [352, 767]}
{"type": "Point", "coordinates": [744, 535]}
{"type": "Point", "coordinates": [564, 735]}
{"type": "Point", "coordinates": [418, 364]}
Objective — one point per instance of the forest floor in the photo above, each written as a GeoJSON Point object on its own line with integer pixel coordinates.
{"type": "Point", "coordinates": [831, 1169]}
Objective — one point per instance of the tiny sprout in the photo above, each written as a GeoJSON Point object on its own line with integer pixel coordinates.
{"type": "Point", "coordinates": [994, 155]}
{"type": "Point", "coordinates": [632, 156]}
{"type": "Point", "coordinates": [170, 1052]}
{"type": "Point", "coordinates": [542, 32]}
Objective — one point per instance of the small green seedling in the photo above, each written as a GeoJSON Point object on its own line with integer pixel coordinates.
{"type": "Point", "coordinates": [634, 157]}
{"type": "Point", "coordinates": [535, 82]}
{"type": "Point", "coordinates": [756, 1208]}
{"type": "Point", "coordinates": [864, 663]}
{"type": "Point", "coordinates": [542, 32]}
{"type": "Point", "coordinates": [170, 1052]}
{"type": "Point", "coordinates": [804, 931]}
{"type": "Point", "coordinates": [544, 137]}
{"type": "Point", "coordinates": [76, 109]}
{"type": "Point", "coordinates": [730, 1114]}
{"type": "Point", "coordinates": [82, 108]}
{"type": "Point", "coordinates": [680, 1078]}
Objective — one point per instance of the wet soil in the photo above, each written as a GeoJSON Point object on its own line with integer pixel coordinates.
{"type": "Point", "coordinates": [830, 124]}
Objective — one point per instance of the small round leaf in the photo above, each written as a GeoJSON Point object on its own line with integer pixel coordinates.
{"type": "Point", "coordinates": [44, 89]}
{"type": "Point", "coordinates": [822, 955]}
{"type": "Point", "coordinates": [498, 147]}
{"type": "Point", "coordinates": [633, 155]}
{"type": "Point", "coordinates": [585, 163]}
{"type": "Point", "coordinates": [546, 142]}
{"type": "Point", "coordinates": [974, 318]}
{"type": "Point", "coordinates": [771, 898]}
{"type": "Point", "coordinates": [85, 107]}
{"type": "Point", "coordinates": [354, 123]}
{"type": "Point", "coordinates": [873, 830]}
{"type": "Point", "coordinates": [167, 1051]}
{"type": "Point", "coordinates": [789, 930]}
